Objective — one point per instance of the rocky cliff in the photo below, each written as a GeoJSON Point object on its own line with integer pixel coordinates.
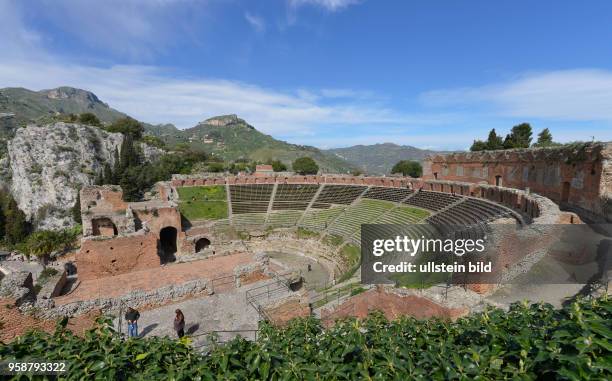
{"type": "Point", "coordinates": [49, 163]}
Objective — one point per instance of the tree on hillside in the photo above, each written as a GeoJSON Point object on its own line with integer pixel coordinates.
{"type": "Point", "coordinates": [215, 167]}
{"type": "Point", "coordinates": [42, 243]}
{"type": "Point", "coordinates": [129, 155]}
{"type": "Point", "coordinates": [519, 137]}
{"type": "Point", "coordinates": [1, 219]}
{"type": "Point", "coordinates": [107, 177]}
{"type": "Point", "coordinates": [545, 139]}
{"type": "Point", "coordinates": [16, 226]}
{"type": "Point", "coordinates": [89, 119]}
{"type": "Point", "coordinates": [408, 168]}
{"type": "Point", "coordinates": [478, 145]}
{"type": "Point", "coordinates": [305, 166]}
{"type": "Point", "coordinates": [494, 141]}
{"type": "Point", "coordinates": [278, 166]}
{"type": "Point", "coordinates": [128, 127]}
{"type": "Point", "coordinates": [116, 167]}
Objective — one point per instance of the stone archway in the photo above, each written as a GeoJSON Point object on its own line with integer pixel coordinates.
{"type": "Point", "coordinates": [201, 244]}
{"type": "Point", "coordinates": [167, 247]}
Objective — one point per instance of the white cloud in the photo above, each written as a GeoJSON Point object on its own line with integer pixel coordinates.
{"type": "Point", "coordinates": [153, 95]}
{"type": "Point", "coordinates": [565, 95]}
{"type": "Point", "coordinates": [133, 29]}
{"type": "Point", "coordinates": [15, 38]}
{"type": "Point", "coordinates": [327, 5]}
{"type": "Point", "coordinates": [256, 22]}
{"type": "Point", "coordinates": [330, 5]}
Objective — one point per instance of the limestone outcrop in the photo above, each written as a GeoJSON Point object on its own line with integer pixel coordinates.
{"type": "Point", "coordinates": [48, 164]}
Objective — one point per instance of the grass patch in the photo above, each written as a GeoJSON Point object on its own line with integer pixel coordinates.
{"type": "Point", "coordinates": [333, 240]}
{"type": "Point", "coordinates": [202, 193]}
{"type": "Point", "coordinates": [203, 210]}
{"type": "Point", "coordinates": [413, 213]}
{"type": "Point", "coordinates": [352, 255]}
{"type": "Point", "coordinates": [305, 233]}
{"type": "Point", "coordinates": [357, 291]}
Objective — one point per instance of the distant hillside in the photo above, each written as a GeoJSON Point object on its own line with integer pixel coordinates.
{"type": "Point", "coordinates": [227, 136]}
{"type": "Point", "coordinates": [231, 138]}
{"type": "Point", "coordinates": [379, 158]}
{"type": "Point", "coordinates": [28, 105]}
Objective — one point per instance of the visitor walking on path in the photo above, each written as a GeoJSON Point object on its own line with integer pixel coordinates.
{"type": "Point", "coordinates": [132, 317]}
{"type": "Point", "coordinates": [179, 323]}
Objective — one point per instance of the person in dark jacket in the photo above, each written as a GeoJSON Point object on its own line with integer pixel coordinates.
{"type": "Point", "coordinates": [132, 316]}
{"type": "Point", "coordinates": [179, 323]}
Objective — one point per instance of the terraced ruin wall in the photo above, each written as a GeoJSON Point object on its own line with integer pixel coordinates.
{"type": "Point", "coordinates": [578, 176]}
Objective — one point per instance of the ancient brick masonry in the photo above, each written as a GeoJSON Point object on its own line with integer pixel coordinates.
{"type": "Point", "coordinates": [120, 237]}
{"type": "Point", "coordinates": [576, 176]}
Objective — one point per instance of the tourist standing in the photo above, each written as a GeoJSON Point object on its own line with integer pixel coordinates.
{"type": "Point", "coordinates": [179, 323]}
{"type": "Point", "coordinates": [132, 317]}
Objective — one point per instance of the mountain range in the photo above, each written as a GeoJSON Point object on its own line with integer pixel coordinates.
{"type": "Point", "coordinates": [227, 136]}
{"type": "Point", "coordinates": [379, 158]}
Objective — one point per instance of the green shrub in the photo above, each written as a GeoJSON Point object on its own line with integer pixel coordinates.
{"type": "Point", "coordinates": [528, 342]}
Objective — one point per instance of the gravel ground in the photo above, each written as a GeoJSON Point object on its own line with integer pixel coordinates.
{"type": "Point", "coordinates": [228, 311]}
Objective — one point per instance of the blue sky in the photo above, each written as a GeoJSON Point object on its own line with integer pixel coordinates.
{"type": "Point", "coordinates": [330, 73]}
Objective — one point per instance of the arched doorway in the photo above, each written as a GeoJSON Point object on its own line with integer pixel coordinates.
{"type": "Point", "coordinates": [167, 244]}
{"type": "Point", "coordinates": [103, 226]}
{"type": "Point", "coordinates": [202, 244]}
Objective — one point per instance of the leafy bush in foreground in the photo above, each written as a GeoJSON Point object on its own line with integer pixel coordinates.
{"type": "Point", "coordinates": [528, 342]}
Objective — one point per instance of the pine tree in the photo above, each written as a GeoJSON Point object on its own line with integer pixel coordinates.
{"type": "Point", "coordinates": [478, 145]}
{"type": "Point", "coordinates": [545, 139]}
{"type": "Point", "coordinates": [520, 136]}
{"type": "Point", "coordinates": [494, 141]}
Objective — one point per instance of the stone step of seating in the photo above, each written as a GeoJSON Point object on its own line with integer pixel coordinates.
{"type": "Point", "coordinates": [432, 200]}
{"type": "Point", "coordinates": [284, 218]}
{"type": "Point", "coordinates": [387, 194]}
{"type": "Point", "coordinates": [365, 211]}
{"type": "Point", "coordinates": [339, 194]}
{"type": "Point", "coordinates": [319, 219]}
{"type": "Point", "coordinates": [249, 219]}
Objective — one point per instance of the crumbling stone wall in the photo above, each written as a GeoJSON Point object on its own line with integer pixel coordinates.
{"type": "Point", "coordinates": [101, 204]}
{"type": "Point", "coordinates": [579, 176]}
{"type": "Point", "coordinates": [156, 217]}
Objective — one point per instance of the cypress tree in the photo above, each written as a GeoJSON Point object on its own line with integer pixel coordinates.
{"type": "Point", "coordinates": [76, 209]}
{"type": "Point", "coordinates": [16, 225]}
{"type": "Point", "coordinates": [116, 167]}
{"type": "Point", "coordinates": [108, 174]}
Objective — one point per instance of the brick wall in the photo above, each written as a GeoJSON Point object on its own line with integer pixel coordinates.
{"type": "Point", "coordinates": [581, 178]}
{"type": "Point", "coordinates": [107, 257]}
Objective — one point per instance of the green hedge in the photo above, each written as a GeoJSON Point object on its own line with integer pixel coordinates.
{"type": "Point", "coordinates": [528, 342]}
